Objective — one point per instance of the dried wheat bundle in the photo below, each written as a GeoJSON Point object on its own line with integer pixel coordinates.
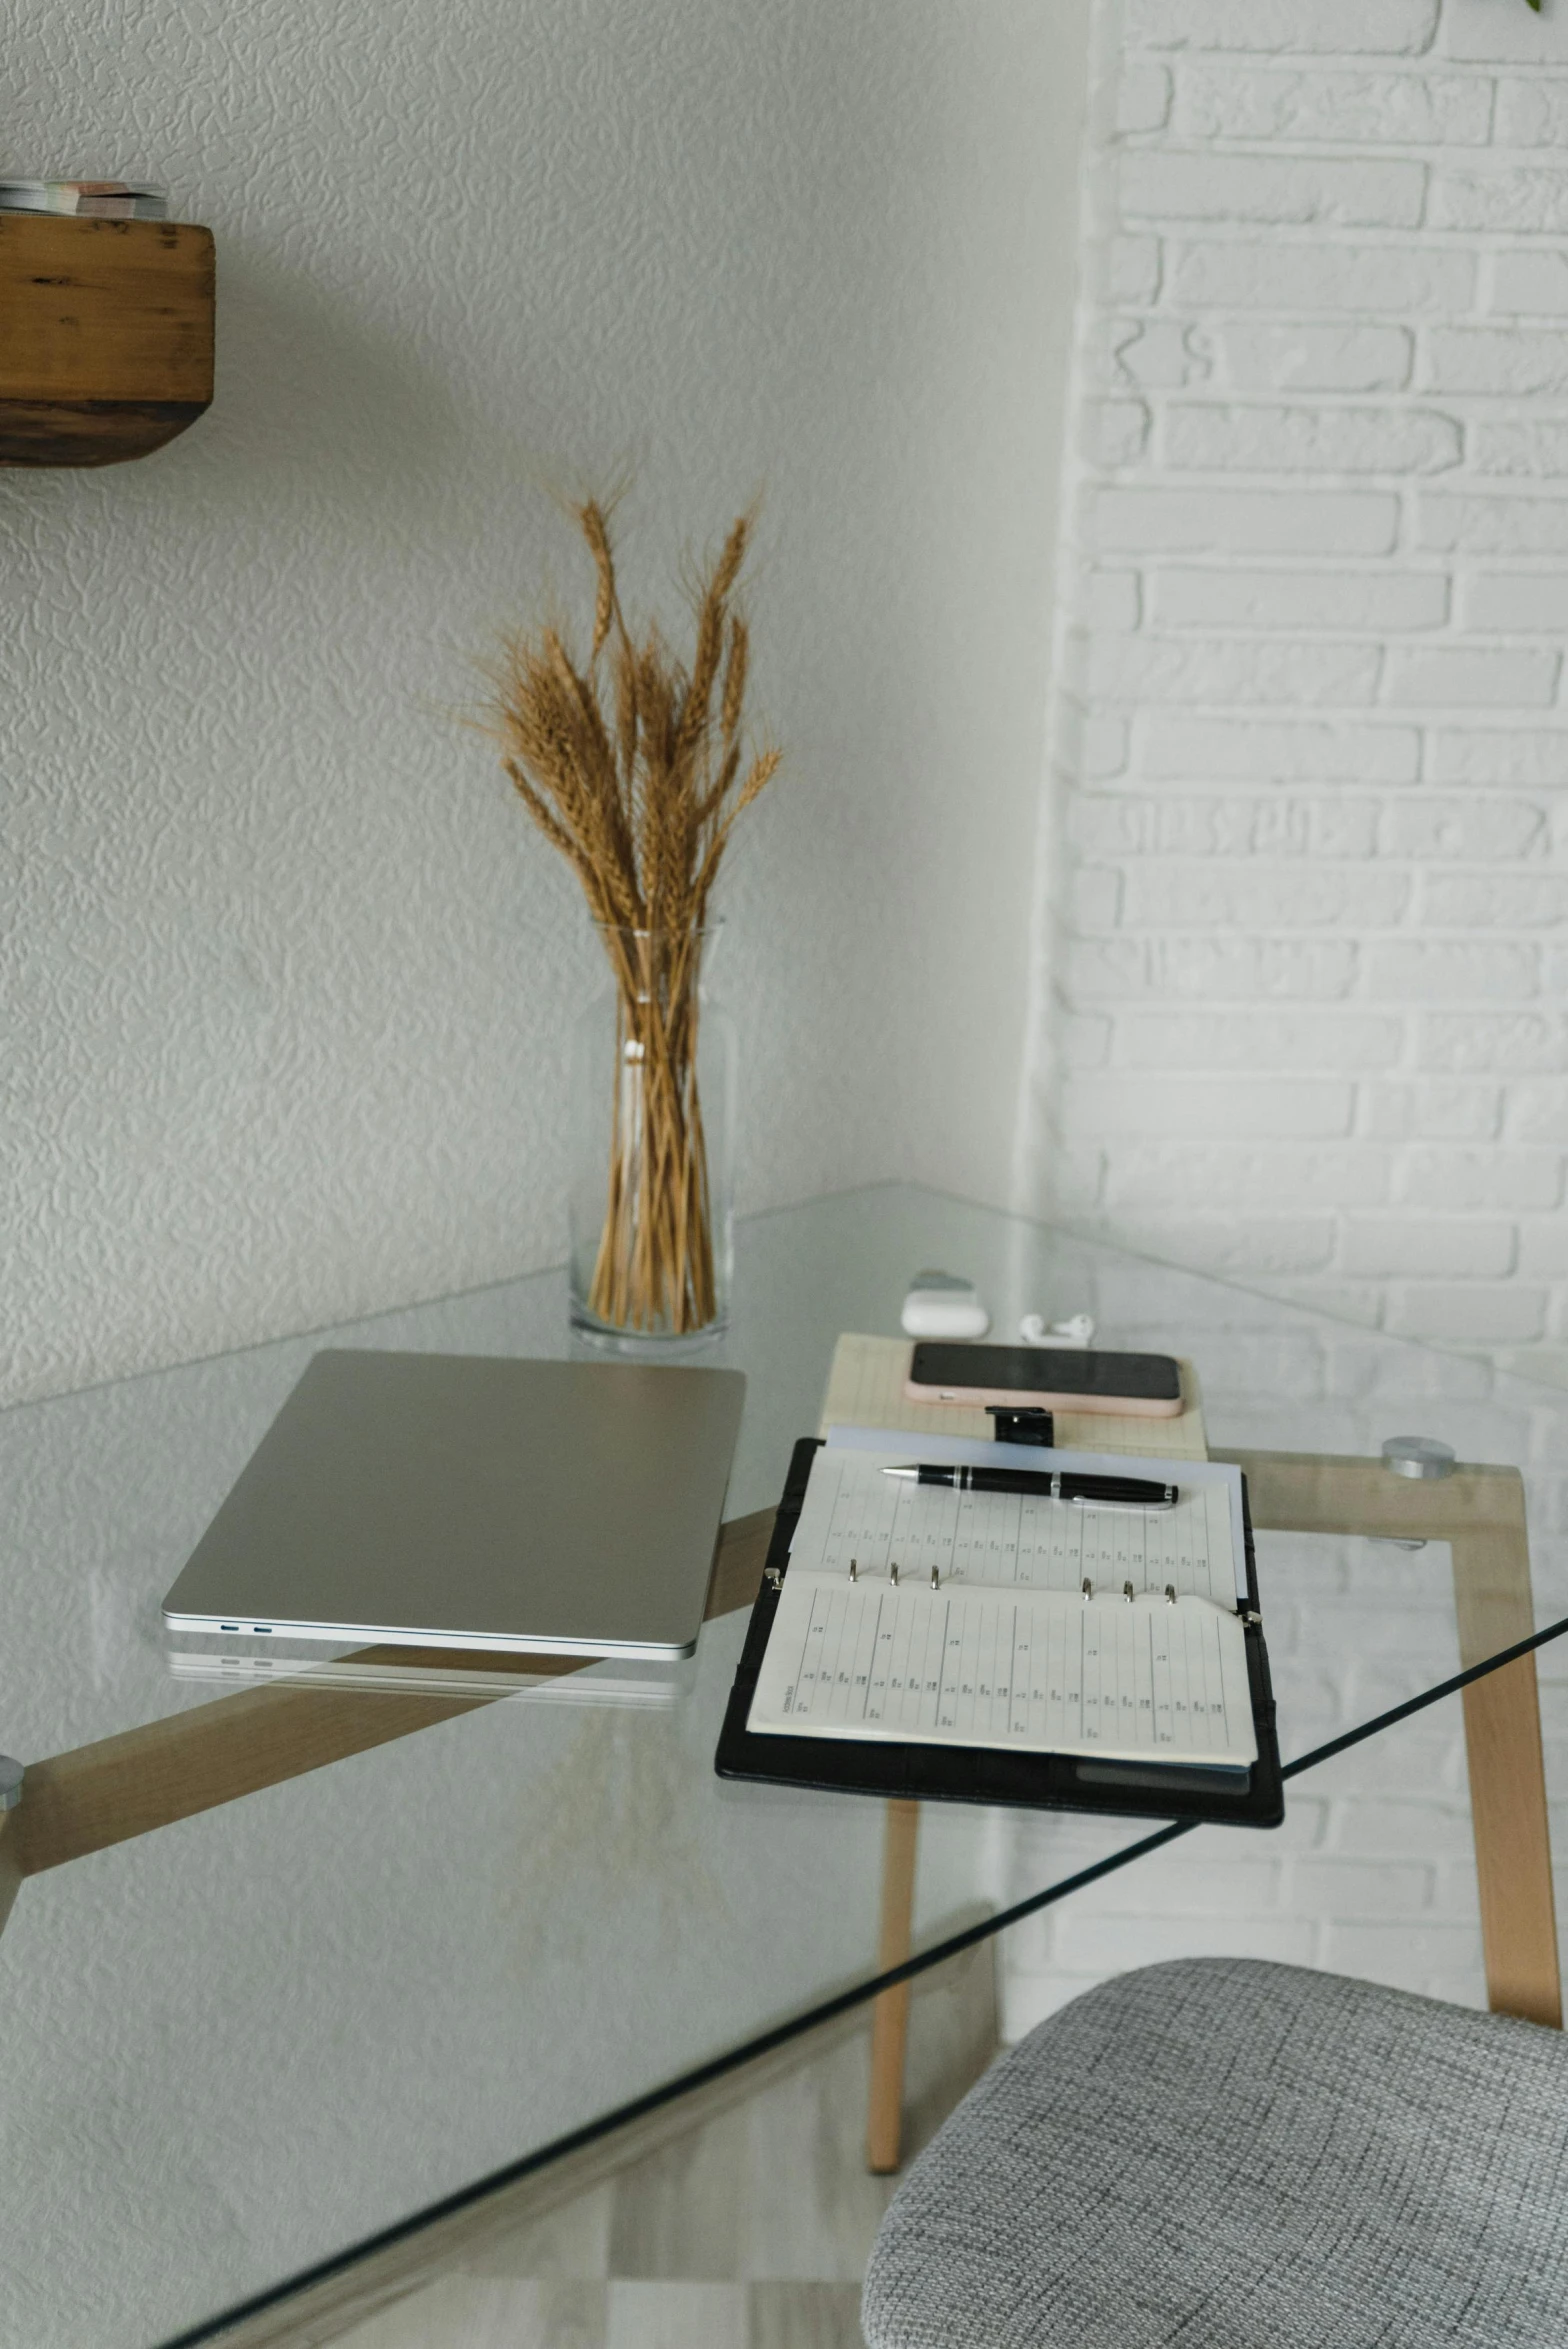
{"type": "Point", "coordinates": [634, 768]}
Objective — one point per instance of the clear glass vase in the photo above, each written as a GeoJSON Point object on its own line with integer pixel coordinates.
{"type": "Point", "coordinates": [652, 1144]}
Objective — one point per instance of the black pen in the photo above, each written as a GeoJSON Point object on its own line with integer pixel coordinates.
{"type": "Point", "coordinates": [1062, 1484]}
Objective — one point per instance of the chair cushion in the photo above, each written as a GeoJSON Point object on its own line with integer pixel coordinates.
{"type": "Point", "coordinates": [1221, 2154]}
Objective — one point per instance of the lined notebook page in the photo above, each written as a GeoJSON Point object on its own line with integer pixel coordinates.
{"type": "Point", "coordinates": [1006, 1651]}
{"type": "Point", "coordinates": [866, 1389]}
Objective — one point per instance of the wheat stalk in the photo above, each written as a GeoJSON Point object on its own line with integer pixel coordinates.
{"type": "Point", "coordinates": [636, 775]}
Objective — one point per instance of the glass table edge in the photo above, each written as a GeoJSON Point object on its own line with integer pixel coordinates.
{"type": "Point", "coordinates": [860, 1992]}
{"type": "Point", "coordinates": [1499, 1361]}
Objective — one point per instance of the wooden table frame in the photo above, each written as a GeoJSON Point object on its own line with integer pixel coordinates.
{"type": "Point", "coordinates": [1480, 1513]}
{"type": "Point", "coordinates": [120, 1787]}
{"type": "Point", "coordinates": [124, 1786]}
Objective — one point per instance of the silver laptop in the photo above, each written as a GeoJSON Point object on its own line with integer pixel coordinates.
{"type": "Point", "coordinates": [458, 1501]}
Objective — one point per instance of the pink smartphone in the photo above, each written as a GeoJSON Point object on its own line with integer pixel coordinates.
{"type": "Point", "coordinates": [1146, 1386]}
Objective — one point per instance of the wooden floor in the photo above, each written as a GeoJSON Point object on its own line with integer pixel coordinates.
{"type": "Point", "coordinates": [749, 2232]}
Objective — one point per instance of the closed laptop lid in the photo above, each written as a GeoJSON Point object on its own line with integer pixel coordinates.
{"type": "Point", "coordinates": [476, 1501]}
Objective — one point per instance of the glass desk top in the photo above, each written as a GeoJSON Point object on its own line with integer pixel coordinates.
{"type": "Point", "coordinates": [241, 2044]}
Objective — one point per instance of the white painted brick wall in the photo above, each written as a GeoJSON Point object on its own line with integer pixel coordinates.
{"type": "Point", "coordinates": [1373, 1872]}
{"type": "Point", "coordinates": [1313, 729]}
{"type": "Point", "coordinates": [1311, 743]}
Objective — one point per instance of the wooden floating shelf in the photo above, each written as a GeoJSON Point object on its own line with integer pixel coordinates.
{"type": "Point", "coordinates": [105, 336]}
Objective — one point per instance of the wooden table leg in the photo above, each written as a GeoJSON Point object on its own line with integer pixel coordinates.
{"type": "Point", "coordinates": [1513, 1848]}
{"type": "Point", "coordinates": [10, 1870]}
{"type": "Point", "coordinates": [890, 2011]}
{"type": "Point", "coordinates": [1480, 1513]}
{"type": "Point", "coordinates": [140, 1779]}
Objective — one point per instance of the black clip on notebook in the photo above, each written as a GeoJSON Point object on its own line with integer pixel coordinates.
{"type": "Point", "coordinates": [931, 1772]}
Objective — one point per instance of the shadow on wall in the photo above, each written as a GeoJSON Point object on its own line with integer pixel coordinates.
{"type": "Point", "coordinates": [322, 402]}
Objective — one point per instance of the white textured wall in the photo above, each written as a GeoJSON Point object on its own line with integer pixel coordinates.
{"type": "Point", "coordinates": [284, 978]}
{"type": "Point", "coordinates": [1315, 742]}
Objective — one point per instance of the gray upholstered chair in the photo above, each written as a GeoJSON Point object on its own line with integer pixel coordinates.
{"type": "Point", "coordinates": [1220, 2154]}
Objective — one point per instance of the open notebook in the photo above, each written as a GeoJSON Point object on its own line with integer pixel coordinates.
{"type": "Point", "coordinates": [1021, 1624]}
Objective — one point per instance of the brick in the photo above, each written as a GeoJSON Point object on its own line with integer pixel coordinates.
{"type": "Point", "coordinates": [1195, 1881]}
{"type": "Point", "coordinates": [1499, 1178]}
{"type": "Point", "coordinates": [1431, 1642]}
{"type": "Point", "coordinates": [1387, 281]}
{"type": "Point", "coordinates": [1530, 283]}
{"type": "Point", "coordinates": [1112, 600]}
{"type": "Point", "coordinates": [1285, 191]}
{"type": "Point", "coordinates": [1403, 1956]}
{"type": "Point", "coordinates": [1513, 201]}
{"type": "Point", "coordinates": [1306, 357]}
{"type": "Point", "coordinates": [1209, 438]}
{"type": "Point", "coordinates": [1455, 1986]}
{"type": "Point", "coordinates": [1517, 525]}
{"type": "Point", "coordinates": [1131, 267]}
{"type": "Point", "coordinates": [1349, 28]}
{"type": "Point", "coordinates": [1118, 1943]}
{"type": "Point", "coordinates": [1462, 831]}
{"type": "Point", "coordinates": [1361, 1369]}
{"type": "Point", "coordinates": [1514, 361]}
{"type": "Point", "coordinates": [1375, 1570]}
{"type": "Point", "coordinates": [1454, 1246]}
{"type": "Point", "coordinates": [1117, 432]}
{"type": "Point", "coordinates": [1247, 896]}
{"type": "Point", "coordinates": [1103, 747]}
{"type": "Point", "coordinates": [1433, 1111]}
{"type": "Point", "coordinates": [1215, 750]}
{"type": "Point", "coordinates": [1158, 354]}
{"type": "Point", "coordinates": [1079, 1179]}
{"type": "Point", "coordinates": [1109, 825]}
{"type": "Point", "coordinates": [1493, 756]}
{"type": "Point", "coordinates": [1377, 601]}
{"type": "Point", "coordinates": [1224, 826]}
{"type": "Point", "coordinates": [1477, 1313]}
{"type": "Point", "coordinates": [1077, 747]}
{"type": "Point", "coordinates": [1493, 34]}
{"type": "Point", "coordinates": [1143, 98]}
{"type": "Point", "coordinates": [1538, 1112]}
{"type": "Point", "coordinates": [1154, 669]}
{"type": "Point", "coordinates": [1202, 1109]}
{"type": "Point", "coordinates": [1530, 452]}
{"type": "Point", "coordinates": [1493, 1043]}
{"type": "Point", "coordinates": [1096, 899]}
{"type": "Point", "coordinates": [1517, 603]}
{"type": "Point", "coordinates": [1083, 1040]}
{"type": "Point", "coordinates": [1246, 521]}
{"type": "Point", "coordinates": [1532, 113]}
{"type": "Point", "coordinates": [1543, 1250]}
{"type": "Point", "coordinates": [1362, 109]}
{"type": "Point", "coordinates": [1242, 970]}
{"type": "Point", "coordinates": [1433, 972]}
{"type": "Point", "coordinates": [1495, 901]}
{"type": "Point", "coordinates": [1336, 1041]}
{"type": "Point", "coordinates": [1360, 1888]}
{"type": "Point", "coordinates": [1458, 676]}
{"type": "Point", "coordinates": [1390, 1830]}
{"type": "Point", "coordinates": [1406, 1637]}
{"type": "Point", "coordinates": [1174, 1175]}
